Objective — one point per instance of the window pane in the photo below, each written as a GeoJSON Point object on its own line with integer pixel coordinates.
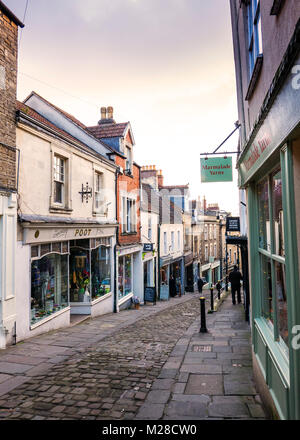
{"type": "Point", "coordinates": [278, 213]}
{"type": "Point", "coordinates": [58, 192]}
{"type": "Point", "coordinates": [266, 280]}
{"type": "Point", "coordinates": [128, 280]}
{"type": "Point", "coordinates": [100, 272]}
{"type": "Point", "coordinates": [49, 286]}
{"type": "Point", "coordinates": [281, 301]}
{"type": "Point", "coordinates": [79, 275]}
{"type": "Point", "coordinates": [121, 277]}
{"type": "Point", "coordinates": [264, 221]}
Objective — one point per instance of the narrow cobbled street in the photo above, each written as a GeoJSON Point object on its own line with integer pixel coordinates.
{"type": "Point", "coordinates": [153, 368]}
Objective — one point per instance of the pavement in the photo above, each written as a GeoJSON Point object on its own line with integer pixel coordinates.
{"type": "Point", "coordinates": [150, 363]}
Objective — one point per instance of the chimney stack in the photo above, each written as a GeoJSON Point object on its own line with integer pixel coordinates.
{"type": "Point", "coordinates": [160, 178]}
{"type": "Point", "coordinates": [204, 204]}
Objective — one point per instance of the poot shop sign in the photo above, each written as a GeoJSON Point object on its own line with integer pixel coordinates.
{"type": "Point", "coordinates": [216, 169]}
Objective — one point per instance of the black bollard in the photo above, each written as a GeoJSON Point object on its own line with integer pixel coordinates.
{"type": "Point", "coordinates": [211, 299]}
{"type": "Point", "coordinates": [219, 294]}
{"type": "Point", "coordinates": [203, 328]}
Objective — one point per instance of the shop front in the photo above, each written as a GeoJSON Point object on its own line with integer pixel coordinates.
{"type": "Point", "coordinates": [171, 279]}
{"type": "Point", "coordinates": [149, 272]}
{"type": "Point", "coordinates": [269, 169]}
{"type": "Point", "coordinates": [189, 273]}
{"type": "Point", "coordinates": [129, 276]}
{"type": "Point", "coordinates": [70, 271]}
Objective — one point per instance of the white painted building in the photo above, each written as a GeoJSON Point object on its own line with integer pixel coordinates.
{"type": "Point", "coordinates": [67, 222]}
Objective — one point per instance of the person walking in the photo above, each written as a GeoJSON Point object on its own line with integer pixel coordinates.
{"type": "Point", "coordinates": [200, 283]}
{"type": "Point", "coordinates": [172, 286]}
{"type": "Point", "coordinates": [235, 278]}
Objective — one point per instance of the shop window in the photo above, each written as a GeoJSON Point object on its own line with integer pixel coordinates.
{"type": "Point", "coordinates": [124, 276]}
{"type": "Point", "coordinates": [49, 284]}
{"type": "Point", "coordinates": [267, 294]}
{"type": "Point", "coordinates": [278, 214]}
{"type": "Point", "coordinates": [80, 281]}
{"type": "Point", "coordinates": [272, 255]}
{"type": "Point", "coordinates": [263, 212]}
{"type": "Point", "coordinates": [100, 264]}
{"type": "Point", "coordinates": [281, 301]}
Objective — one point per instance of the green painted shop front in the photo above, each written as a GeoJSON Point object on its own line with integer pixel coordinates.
{"type": "Point", "coordinates": [269, 170]}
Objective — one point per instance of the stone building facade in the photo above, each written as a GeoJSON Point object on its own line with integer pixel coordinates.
{"type": "Point", "coordinates": [9, 25]}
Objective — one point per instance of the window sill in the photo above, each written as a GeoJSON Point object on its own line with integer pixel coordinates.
{"type": "Point", "coordinates": [128, 233]}
{"type": "Point", "coordinates": [60, 209]}
{"type": "Point", "coordinates": [49, 318]}
{"type": "Point", "coordinates": [254, 76]}
{"type": "Point", "coordinates": [101, 298]}
{"type": "Point", "coordinates": [124, 298]}
{"type": "Point", "coordinates": [128, 174]}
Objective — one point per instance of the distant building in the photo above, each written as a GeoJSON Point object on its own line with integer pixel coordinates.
{"type": "Point", "coordinates": [119, 137]}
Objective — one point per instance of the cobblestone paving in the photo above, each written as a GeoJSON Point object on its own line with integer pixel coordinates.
{"type": "Point", "coordinates": [109, 380]}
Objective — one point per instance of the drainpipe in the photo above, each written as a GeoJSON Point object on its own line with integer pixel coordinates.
{"type": "Point", "coordinates": [158, 258]}
{"type": "Point", "coordinates": [117, 242]}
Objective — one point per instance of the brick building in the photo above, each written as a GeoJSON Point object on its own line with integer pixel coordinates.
{"type": "Point", "coordinates": [9, 25]}
{"type": "Point", "coordinates": [119, 137]}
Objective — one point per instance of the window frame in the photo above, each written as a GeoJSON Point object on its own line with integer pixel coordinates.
{"type": "Point", "coordinates": [273, 258]}
{"type": "Point", "coordinates": [254, 44]}
{"type": "Point", "coordinates": [66, 205]}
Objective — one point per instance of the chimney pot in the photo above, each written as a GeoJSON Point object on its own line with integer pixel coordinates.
{"type": "Point", "coordinates": [110, 112]}
{"type": "Point", "coordinates": [103, 112]}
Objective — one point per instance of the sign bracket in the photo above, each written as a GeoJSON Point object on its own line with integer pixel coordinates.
{"type": "Point", "coordinates": [237, 125]}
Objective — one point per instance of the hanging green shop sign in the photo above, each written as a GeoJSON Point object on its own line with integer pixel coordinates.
{"type": "Point", "coordinates": [216, 169]}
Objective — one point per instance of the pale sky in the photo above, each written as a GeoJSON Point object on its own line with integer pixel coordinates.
{"type": "Point", "coordinates": [164, 65]}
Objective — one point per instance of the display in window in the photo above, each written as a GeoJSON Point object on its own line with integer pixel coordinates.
{"type": "Point", "coordinates": [79, 275]}
{"type": "Point", "coordinates": [125, 276]}
{"type": "Point", "coordinates": [266, 280]}
{"type": "Point", "coordinates": [264, 220]}
{"type": "Point", "coordinates": [121, 277]}
{"type": "Point", "coordinates": [49, 286]}
{"type": "Point", "coordinates": [278, 214]}
{"type": "Point", "coordinates": [100, 262]}
{"type": "Point", "coordinates": [281, 302]}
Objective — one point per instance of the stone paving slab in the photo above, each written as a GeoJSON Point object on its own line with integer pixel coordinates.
{"type": "Point", "coordinates": [137, 368]}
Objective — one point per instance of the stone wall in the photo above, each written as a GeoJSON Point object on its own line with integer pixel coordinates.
{"type": "Point", "coordinates": [8, 88]}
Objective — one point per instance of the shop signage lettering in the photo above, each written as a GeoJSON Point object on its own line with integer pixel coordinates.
{"type": "Point", "coordinates": [232, 224]}
{"type": "Point", "coordinates": [216, 169]}
{"type": "Point", "coordinates": [148, 247]}
{"type": "Point", "coordinates": [83, 232]}
{"type": "Point", "coordinates": [60, 233]}
{"type": "Point", "coordinates": [256, 151]}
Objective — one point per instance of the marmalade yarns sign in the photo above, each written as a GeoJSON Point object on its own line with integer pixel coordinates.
{"type": "Point", "coordinates": [216, 169]}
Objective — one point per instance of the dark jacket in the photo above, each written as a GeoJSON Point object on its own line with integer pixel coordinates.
{"type": "Point", "coordinates": [200, 283]}
{"type": "Point", "coordinates": [235, 278]}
